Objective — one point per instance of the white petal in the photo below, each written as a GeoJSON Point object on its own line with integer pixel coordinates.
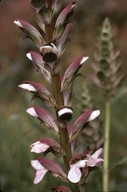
{"type": "Point", "coordinates": [81, 163]}
{"type": "Point", "coordinates": [94, 114]}
{"type": "Point", "coordinates": [83, 60]}
{"type": "Point", "coordinates": [97, 153]}
{"type": "Point", "coordinates": [39, 175]}
{"type": "Point", "coordinates": [29, 56]}
{"type": "Point", "coordinates": [18, 23]}
{"type": "Point", "coordinates": [38, 147]}
{"type": "Point", "coordinates": [99, 161]}
{"type": "Point", "coordinates": [49, 48]}
{"type": "Point", "coordinates": [91, 161]}
{"type": "Point", "coordinates": [74, 174]}
{"type": "Point", "coordinates": [64, 111]}
{"type": "Point", "coordinates": [32, 111]}
{"type": "Point", "coordinates": [36, 165]}
{"type": "Point", "coordinates": [28, 87]}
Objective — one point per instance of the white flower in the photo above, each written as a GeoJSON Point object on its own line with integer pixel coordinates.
{"type": "Point", "coordinates": [40, 171]}
{"type": "Point", "coordinates": [94, 160]}
{"type": "Point", "coordinates": [75, 174]}
{"type": "Point", "coordinates": [39, 147]}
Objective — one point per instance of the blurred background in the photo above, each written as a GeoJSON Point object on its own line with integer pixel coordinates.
{"type": "Point", "coordinates": [17, 129]}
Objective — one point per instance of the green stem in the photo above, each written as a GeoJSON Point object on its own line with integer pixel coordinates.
{"type": "Point", "coordinates": [63, 132]}
{"type": "Point", "coordinates": [106, 146]}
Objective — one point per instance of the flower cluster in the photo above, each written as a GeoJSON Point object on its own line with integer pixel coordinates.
{"type": "Point", "coordinates": [108, 65]}
{"type": "Point", "coordinates": [51, 39]}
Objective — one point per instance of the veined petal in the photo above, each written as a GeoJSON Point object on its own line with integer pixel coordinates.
{"type": "Point", "coordinates": [71, 72]}
{"type": "Point", "coordinates": [67, 94]}
{"type": "Point", "coordinates": [38, 62]}
{"type": "Point", "coordinates": [74, 174]}
{"type": "Point", "coordinates": [53, 168]}
{"type": "Point", "coordinates": [65, 14]}
{"type": "Point", "coordinates": [39, 90]}
{"type": "Point", "coordinates": [45, 116]}
{"type": "Point", "coordinates": [31, 31]}
{"type": "Point", "coordinates": [81, 121]}
{"type": "Point", "coordinates": [36, 58]}
{"type": "Point", "coordinates": [62, 41]}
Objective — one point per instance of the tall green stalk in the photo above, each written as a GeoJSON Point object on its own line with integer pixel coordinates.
{"type": "Point", "coordinates": [109, 77]}
{"type": "Point", "coordinates": [106, 146]}
{"type": "Point", "coordinates": [64, 138]}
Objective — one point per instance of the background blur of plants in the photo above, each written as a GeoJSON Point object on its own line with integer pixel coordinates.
{"type": "Point", "coordinates": [17, 129]}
